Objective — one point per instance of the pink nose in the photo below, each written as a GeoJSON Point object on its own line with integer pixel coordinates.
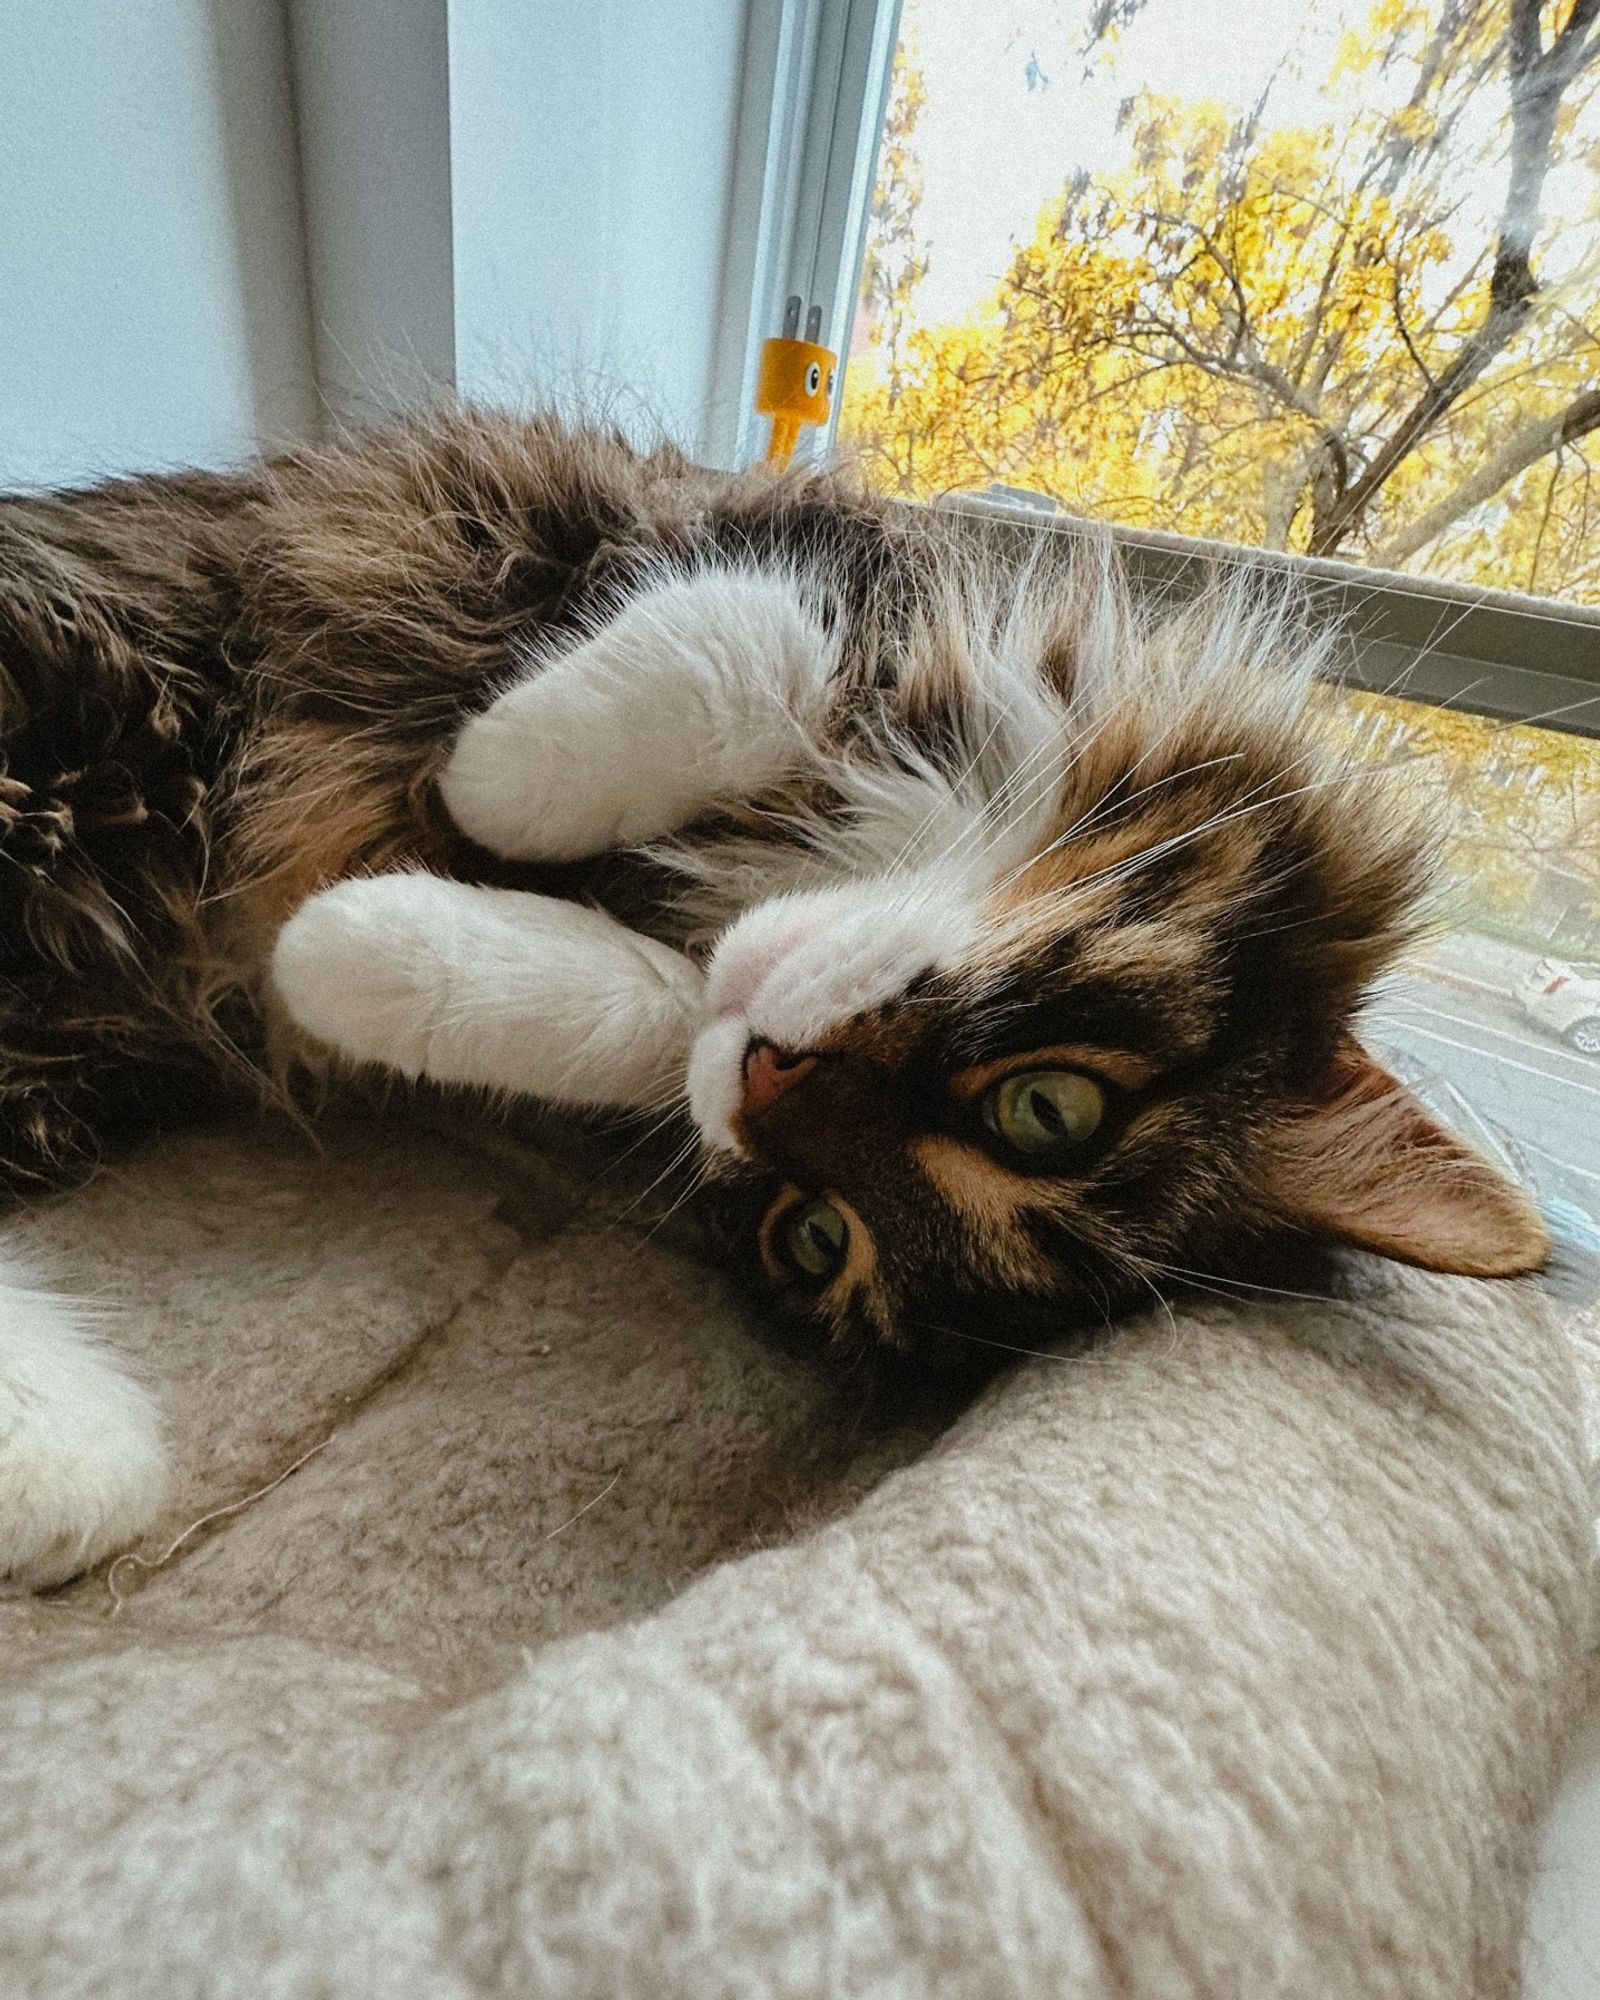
{"type": "Point", "coordinates": [768, 1073]}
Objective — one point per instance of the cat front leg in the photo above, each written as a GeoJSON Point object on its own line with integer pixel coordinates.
{"type": "Point", "coordinates": [703, 689]}
{"type": "Point", "coordinates": [83, 1470]}
{"type": "Point", "coordinates": [491, 988]}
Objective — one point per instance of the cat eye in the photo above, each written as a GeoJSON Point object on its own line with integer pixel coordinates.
{"type": "Point", "coordinates": [1042, 1112]}
{"type": "Point", "coordinates": [813, 1240]}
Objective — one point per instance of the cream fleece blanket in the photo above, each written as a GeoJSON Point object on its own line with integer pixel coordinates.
{"type": "Point", "coordinates": [598, 1650]}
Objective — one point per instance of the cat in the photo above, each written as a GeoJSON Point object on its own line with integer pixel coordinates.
{"type": "Point", "coordinates": [1000, 935]}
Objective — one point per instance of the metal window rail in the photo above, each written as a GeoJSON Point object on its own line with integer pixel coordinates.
{"type": "Point", "coordinates": [1490, 652]}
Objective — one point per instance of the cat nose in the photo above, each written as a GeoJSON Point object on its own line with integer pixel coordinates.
{"type": "Point", "coordinates": [768, 1073]}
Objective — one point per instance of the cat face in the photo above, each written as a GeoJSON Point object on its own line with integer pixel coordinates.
{"type": "Point", "coordinates": [1081, 1026]}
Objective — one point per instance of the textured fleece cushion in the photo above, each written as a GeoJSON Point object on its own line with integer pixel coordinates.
{"type": "Point", "coordinates": [598, 1648]}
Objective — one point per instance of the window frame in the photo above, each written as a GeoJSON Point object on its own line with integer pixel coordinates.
{"type": "Point", "coordinates": [814, 93]}
{"type": "Point", "coordinates": [816, 85]}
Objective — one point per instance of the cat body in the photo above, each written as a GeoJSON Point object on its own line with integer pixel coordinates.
{"type": "Point", "coordinates": [1002, 938]}
{"type": "Point", "coordinates": [218, 693]}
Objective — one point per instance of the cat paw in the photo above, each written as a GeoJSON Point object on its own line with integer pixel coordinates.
{"type": "Point", "coordinates": [491, 989]}
{"type": "Point", "coordinates": [702, 691]}
{"type": "Point", "coordinates": [352, 967]}
{"type": "Point", "coordinates": [83, 1471]}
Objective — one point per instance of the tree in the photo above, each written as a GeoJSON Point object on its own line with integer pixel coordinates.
{"type": "Point", "coordinates": [1522, 805]}
{"type": "Point", "coordinates": [1323, 338]}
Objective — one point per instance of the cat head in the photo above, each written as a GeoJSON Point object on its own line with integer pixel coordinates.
{"type": "Point", "coordinates": [1059, 1009]}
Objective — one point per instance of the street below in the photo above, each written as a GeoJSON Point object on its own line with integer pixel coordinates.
{"type": "Point", "coordinates": [1508, 1083]}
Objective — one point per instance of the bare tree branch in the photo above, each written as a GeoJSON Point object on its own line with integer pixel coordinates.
{"type": "Point", "coordinates": [1538, 78]}
{"type": "Point", "coordinates": [1403, 330]}
{"type": "Point", "coordinates": [1537, 552]}
{"type": "Point", "coordinates": [1256, 369]}
{"type": "Point", "coordinates": [1526, 445]}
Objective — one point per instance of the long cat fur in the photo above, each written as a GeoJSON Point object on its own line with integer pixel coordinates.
{"type": "Point", "coordinates": [220, 694]}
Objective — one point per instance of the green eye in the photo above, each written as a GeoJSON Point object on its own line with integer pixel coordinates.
{"type": "Point", "coordinates": [814, 1239]}
{"type": "Point", "coordinates": [1046, 1111]}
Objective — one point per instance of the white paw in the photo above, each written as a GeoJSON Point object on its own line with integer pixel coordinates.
{"type": "Point", "coordinates": [356, 969]}
{"type": "Point", "coordinates": [703, 690]}
{"type": "Point", "coordinates": [494, 989]}
{"type": "Point", "coordinates": [524, 782]}
{"type": "Point", "coordinates": [83, 1470]}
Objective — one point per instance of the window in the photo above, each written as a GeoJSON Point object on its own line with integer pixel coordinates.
{"type": "Point", "coordinates": [1322, 285]}
{"type": "Point", "coordinates": [1316, 280]}
{"type": "Point", "coordinates": [1496, 1022]}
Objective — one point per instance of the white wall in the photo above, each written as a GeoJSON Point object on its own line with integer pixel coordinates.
{"type": "Point", "coordinates": [153, 307]}
{"type": "Point", "coordinates": [372, 93]}
{"type": "Point", "coordinates": [592, 151]}
{"type": "Point", "coordinates": [214, 213]}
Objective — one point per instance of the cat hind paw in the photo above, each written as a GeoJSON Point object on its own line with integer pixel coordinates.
{"type": "Point", "coordinates": [83, 1469]}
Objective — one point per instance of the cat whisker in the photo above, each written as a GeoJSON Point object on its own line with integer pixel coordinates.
{"type": "Point", "coordinates": [1111, 804]}
{"type": "Point", "coordinates": [1072, 832]}
{"type": "Point", "coordinates": [679, 1160]}
{"type": "Point", "coordinates": [1213, 1281]}
{"type": "Point", "coordinates": [668, 1116]}
{"type": "Point", "coordinates": [956, 785]}
{"type": "Point", "coordinates": [697, 1181]}
{"type": "Point", "coordinates": [1166, 1306]}
{"type": "Point", "coordinates": [1119, 871]}
{"type": "Point", "coordinates": [1008, 1346]}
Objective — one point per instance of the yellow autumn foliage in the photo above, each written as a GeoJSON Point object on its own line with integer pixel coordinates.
{"type": "Point", "coordinates": [1234, 335]}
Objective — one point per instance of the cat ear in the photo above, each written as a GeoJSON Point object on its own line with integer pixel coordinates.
{"type": "Point", "coordinates": [1366, 1163]}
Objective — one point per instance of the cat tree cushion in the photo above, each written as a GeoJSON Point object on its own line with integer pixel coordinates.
{"type": "Point", "coordinates": [598, 1650]}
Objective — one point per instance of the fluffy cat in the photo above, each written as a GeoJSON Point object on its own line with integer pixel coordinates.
{"type": "Point", "coordinates": [1001, 936]}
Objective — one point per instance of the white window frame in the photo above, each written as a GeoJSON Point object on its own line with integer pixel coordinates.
{"type": "Point", "coordinates": [816, 81]}
{"type": "Point", "coordinates": [815, 87]}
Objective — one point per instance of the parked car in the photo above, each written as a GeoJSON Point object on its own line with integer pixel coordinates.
{"type": "Point", "coordinates": [1566, 1000]}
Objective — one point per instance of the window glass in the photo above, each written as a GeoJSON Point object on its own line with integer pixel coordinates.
{"type": "Point", "coordinates": [1496, 1021]}
{"type": "Point", "coordinates": [1318, 279]}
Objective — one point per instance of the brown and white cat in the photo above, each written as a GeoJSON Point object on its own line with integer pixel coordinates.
{"type": "Point", "coordinates": [1000, 937]}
